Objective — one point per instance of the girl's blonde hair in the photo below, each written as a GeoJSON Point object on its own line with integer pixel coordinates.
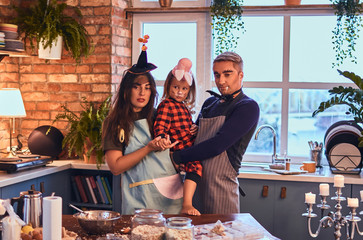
{"type": "Point", "coordinates": [190, 99]}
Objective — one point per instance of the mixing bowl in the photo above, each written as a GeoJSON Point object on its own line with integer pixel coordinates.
{"type": "Point", "coordinates": [97, 221]}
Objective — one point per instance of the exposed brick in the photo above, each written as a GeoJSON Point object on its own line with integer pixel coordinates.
{"type": "Point", "coordinates": [35, 96]}
{"type": "Point", "coordinates": [26, 87]}
{"type": "Point", "coordinates": [9, 77]}
{"type": "Point", "coordinates": [54, 87]}
{"type": "Point", "coordinates": [33, 77]}
{"type": "Point", "coordinates": [29, 106]}
{"type": "Point", "coordinates": [50, 106]}
{"type": "Point", "coordinates": [102, 68]}
{"type": "Point", "coordinates": [96, 97]}
{"type": "Point", "coordinates": [76, 87]}
{"type": "Point", "coordinates": [63, 78]}
{"type": "Point", "coordinates": [103, 49]}
{"type": "Point", "coordinates": [64, 97]}
{"type": "Point", "coordinates": [25, 68]}
{"type": "Point", "coordinates": [101, 88]}
{"type": "Point", "coordinates": [95, 3]}
{"type": "Point", "coordinates": [47, 68]}
{"type": "Point", "coordinates": [76, 69]}
{"type": "Point", "coordinates": [12, 67]}
{"type": "Point", "coordinates": [95, 78]}
{"type": "Point", "coordinates": [27, 123]}
{"type": "Point", "coordinates": [92, 30]}
{"type": "Point", "coordinates": [104, 30]}
{"type": "Point", "coordinates": [102, 11]}
{"type": "Point", "coordinates": [100, 20]}
{"type": "Point", "coordinates": [38, 114]}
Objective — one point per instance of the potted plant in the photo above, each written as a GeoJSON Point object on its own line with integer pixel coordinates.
{"type": "Point", "coordinates": [84, 134]}
{"type": "Point", "coordinates": [345, 33]}
{"type": "Point", "coordinates": [46, 21]}
{"type": "Point", "coordinates": [352, 97]}
{"type": "Point", "coordinates": [226, 18]}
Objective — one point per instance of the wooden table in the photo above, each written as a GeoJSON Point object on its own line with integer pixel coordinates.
{"type": "Point", "coordinates": [70, 223]}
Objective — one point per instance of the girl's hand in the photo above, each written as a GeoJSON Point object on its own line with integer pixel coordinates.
{"type": "Point", "coordinates": [194, 129]}
{"type": "Point", "coordinates": [165, 143]}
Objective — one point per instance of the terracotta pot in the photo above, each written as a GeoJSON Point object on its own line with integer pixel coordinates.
{"type": "Point", "coordinates": [165, 3]}
{"type": "Point", "coordinates": [292, 2]}
{"type": "Point", "coordinates": [93, 158]}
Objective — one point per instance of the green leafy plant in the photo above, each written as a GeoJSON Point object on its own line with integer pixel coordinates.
{"type": "Point", "coordinates": [45, 21]}
{"type": "Point", "coordinates": [226, 19]}
{"type": "Point", "coordinates": [345, 33]}
{"type": "Point", "coordinates": [352, 97]}
{"type": "Point", "coordinates": [85, 128]}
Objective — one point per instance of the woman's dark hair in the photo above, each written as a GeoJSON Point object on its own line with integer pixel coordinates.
{"type": "Point", "coordinates": [122, 115]}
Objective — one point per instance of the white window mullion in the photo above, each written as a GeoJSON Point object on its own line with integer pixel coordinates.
{"type": "Point", "coordinates": [285, 88]}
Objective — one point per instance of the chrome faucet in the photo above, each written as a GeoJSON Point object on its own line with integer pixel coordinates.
{"type": "Point", "coordinates": [274, 155]}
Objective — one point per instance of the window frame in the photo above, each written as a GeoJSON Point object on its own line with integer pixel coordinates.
{"type": "Point", "coordinates": [204, 61]}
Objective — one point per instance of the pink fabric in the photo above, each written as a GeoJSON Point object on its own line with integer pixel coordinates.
{"type": "Point", "coordinates": [170, 187]}
{"type": "Point", "coordinates": [183, 69]}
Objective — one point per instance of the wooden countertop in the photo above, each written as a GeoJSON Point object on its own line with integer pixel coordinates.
{"type": "Point", "coordinates": [71, 224]}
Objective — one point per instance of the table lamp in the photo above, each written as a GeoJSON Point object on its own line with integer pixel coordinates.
{"type": "Point", "coordinates": [11, 106]}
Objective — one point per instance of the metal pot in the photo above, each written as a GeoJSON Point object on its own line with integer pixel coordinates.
{"type": "Point", "coordinates": [29, 207]}
{"type": "Point", "coordinates": [97, 221]}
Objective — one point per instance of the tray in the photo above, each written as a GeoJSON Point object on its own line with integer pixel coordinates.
{"type": "Point", "coordinates": [286, 172]}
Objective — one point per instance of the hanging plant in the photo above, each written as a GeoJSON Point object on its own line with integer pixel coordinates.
{"type": "Point", "coordinates": [47, 19]}
{"type": "Point", "coordinates": [226, 20]}
{"type": "Point", "coordinates": [345, 33]}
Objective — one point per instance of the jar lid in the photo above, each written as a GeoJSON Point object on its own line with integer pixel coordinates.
{"type": "Point", "coordinates": [179, 222]}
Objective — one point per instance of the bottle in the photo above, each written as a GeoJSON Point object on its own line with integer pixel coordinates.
{"type": "Point", "coordinates": [148, 224]}
{"type": "Point", "coordinates": [179, 228]}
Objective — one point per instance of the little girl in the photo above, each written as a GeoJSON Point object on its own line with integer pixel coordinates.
{"type": "Point", "coordinates": [174, 118]}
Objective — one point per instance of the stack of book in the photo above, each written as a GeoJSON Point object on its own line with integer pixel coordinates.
{"type": "Point", "coordinates": [92, 189]}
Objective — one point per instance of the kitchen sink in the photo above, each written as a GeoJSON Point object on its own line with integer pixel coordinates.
{"type": "Point", "coordinates": [253, 167]}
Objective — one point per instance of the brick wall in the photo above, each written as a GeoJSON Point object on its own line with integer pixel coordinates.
{"type": "Point", "coordinates": [47, 85]}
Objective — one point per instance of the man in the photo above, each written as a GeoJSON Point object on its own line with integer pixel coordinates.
{"type": "Point", "coordinates": [226, 125]}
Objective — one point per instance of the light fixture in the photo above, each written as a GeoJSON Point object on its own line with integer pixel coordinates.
{"type": "Point", "coordinates": [11, 106]}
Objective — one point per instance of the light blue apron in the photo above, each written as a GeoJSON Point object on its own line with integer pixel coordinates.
{"type": "Point", "coordinates": [153, 182]}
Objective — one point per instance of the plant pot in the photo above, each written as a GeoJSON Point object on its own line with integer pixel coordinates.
{"type": "Point", "coordinates": [292, 2]}
{"type": "Point", "coordinates": [93, 158]}
{"type": "Point", "coordinates": [165, 3]}
{"type": "Point", "coordinates": [54, 52]}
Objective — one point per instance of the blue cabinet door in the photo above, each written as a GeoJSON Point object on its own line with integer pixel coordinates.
{"type": "Point", "coordinates": [60, 184]}
{"type": "Point", "coordinates": [261, 206]}
{"type": "Point", "coordinates": [15, 189]}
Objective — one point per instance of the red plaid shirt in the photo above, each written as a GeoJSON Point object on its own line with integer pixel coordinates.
{"type": "Point", "coordinates": [174, 119]}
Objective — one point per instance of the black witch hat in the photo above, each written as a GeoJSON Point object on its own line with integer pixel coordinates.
{"type": "Point", "coordinates": [142, 66]}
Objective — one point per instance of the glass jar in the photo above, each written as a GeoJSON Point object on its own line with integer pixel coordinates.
{"type": "Point", "coordinates": [179, 228]}
{"type": "Point", "coordinates": [148, 224]}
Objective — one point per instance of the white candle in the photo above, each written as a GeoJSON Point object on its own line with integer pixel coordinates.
{"type": "Point", "coordinates": [310, 198]}
{"type": "Point", "coordinates": [324, 189]}
{"type": "Point", "coordinates": [338, 181]}
{"type": "Point", "coordinates": [361, 195]}
{"type": "Point", "coordinates": [352, 202]}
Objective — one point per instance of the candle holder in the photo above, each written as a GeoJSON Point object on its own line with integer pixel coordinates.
{"type": "Point", "coordinates": [334, 218]}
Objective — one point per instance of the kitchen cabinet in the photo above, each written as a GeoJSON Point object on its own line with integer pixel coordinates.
{"type": "Point", "coordinates": [59, 183]}
{"type": "Point", "coordinates": [280, 209]}
{"type": "Point", "coordinates": [15, 189]}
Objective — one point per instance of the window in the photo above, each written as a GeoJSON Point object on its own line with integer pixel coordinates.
{"type": "Point", "coordinates": [288, 70]}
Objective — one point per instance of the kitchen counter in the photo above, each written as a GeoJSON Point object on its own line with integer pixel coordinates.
{"type": "Point", "coordinates": [248, 171]}
{"type": "Point", "coordinates": [70, 223]}
{"type": "Point", "coordinates": [256, 171]}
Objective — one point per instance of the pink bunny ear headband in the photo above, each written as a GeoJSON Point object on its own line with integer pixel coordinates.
{"type": "Point", "coordinates": [183, 69]}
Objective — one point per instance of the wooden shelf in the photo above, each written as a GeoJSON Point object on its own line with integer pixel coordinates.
{"type": "Point", "coordinates": [4, 53]}
{"type": "Point", "coordinates": [314, 7]}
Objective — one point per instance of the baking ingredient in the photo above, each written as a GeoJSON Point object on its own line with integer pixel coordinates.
{"type": "Point", "coordinates": [147, 232]}
{"type": "Point", "coordinates": [179, 234]}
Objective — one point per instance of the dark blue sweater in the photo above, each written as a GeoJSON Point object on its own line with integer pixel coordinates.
{"type": "Point", "coordinates": [235, 134]}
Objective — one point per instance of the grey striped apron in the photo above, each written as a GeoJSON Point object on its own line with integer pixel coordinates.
{"type": "Point", "coordinates": [217, 191]}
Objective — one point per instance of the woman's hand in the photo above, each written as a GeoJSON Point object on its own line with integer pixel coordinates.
{"type": "Point", "coordinates": [194, 129]}
{"type": "Point", "coordinates": [165, 143]}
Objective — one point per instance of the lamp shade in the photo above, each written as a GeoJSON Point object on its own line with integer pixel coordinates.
{"type": "Point", "coordinates": [11, 103]}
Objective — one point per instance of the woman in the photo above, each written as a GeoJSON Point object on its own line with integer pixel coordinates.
{"type": "Point", "coordinates": [149, 179]}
